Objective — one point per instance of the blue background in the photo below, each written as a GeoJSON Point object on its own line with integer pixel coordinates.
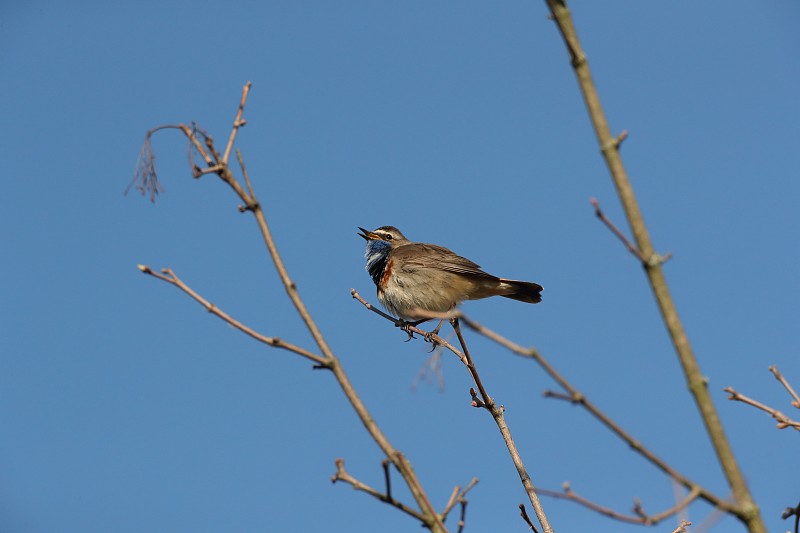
{"type": "Point", "coordinates": [125, 407]}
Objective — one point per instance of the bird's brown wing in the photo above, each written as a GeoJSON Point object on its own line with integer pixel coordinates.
{"type": "Point", "coordinates": [422, 255]}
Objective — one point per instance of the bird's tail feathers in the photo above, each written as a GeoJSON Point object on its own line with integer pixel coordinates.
{"type": "Point", "coordinates": [524, 291]}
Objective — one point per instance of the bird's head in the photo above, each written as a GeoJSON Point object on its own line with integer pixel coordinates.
{"type": "Point", "coordinates": [386, 234]}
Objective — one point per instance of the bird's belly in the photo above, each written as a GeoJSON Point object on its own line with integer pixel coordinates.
{"type": "Point", "coordinates": [409, 297]}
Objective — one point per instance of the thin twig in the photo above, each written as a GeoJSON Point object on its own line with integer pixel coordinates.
{"type": "Point", "coordinates": [246, 176]}
{"type": "Point", "coordinates": [192, 136]}
{"type": "Point", "coordinates": [238, 122]}
{"type": "Point", "coordinates": [783, 420]}
{"type": "Point", "coordinates": [344, 476]}
{"type": "Point", "coordinates": [793, 511]}
{"type": "Point", "coordinates": [653, 260]}
{"type": "Point", "coordinates": [615, 230]}
{"type": "Point", "coordinates": [170, 277]}
{"type": "Point", "coordinates": [786, 385]}
{"type": "Point", "coordinates": [462, 521]}
{"type": "Point", "coordinates": [571, 398]}
{"type": "Point", "coordinates": [435, 339]}
{"type": "Point", "coordinates": [682, 527]}
{"type": "Point", "coordinates": [524, 514]}
{"type": "Point", "coordinates": [487, 400]}
{"type": "Point", "coordinates": [456, 496]}
{"type": "Point", "coordinates": [639, 516]}
{"type": "Point", "coordinates": [499, 418]}
{"type": "Point", "coordinates": [451, 502]}
{"type": "Point", "coordinates": [387, 477]}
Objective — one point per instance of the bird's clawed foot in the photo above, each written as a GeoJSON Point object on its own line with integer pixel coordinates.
{"type": "Point", "coordinates": [406, 326]}
{"type": "Point", "coordinates": [429, 336]}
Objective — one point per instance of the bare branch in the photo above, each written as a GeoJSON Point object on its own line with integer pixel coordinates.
{"type": "Point", "coordinates": [238, 122]}
{"type": "Point", "coordinates": [745, 508]}
{"type": "Point", "coordinates": [168, 276]}
{"type": "Point", "coordinates": [639, 516]}
{"type": "Point", "coordinates": [252, 195]}
{"type": "Point", "coordinates": [462, 521]}
{"type": "Point", "coordinates": [682, 527]}
{"type": "Point", "coordinates": [783, 420]}
{"type": "Point", "coordinates": [653, 260]}
{"type": "Point", "coordinates": [387, 477]}
{"type": "Point", "coordinates": [458, 495]}
{"type": "Point", "coordinates": [193, 136]}
{"type": "Point", "coordinates": [497, 414]}
{"type": "Point", "coordinates": [620, 139]}
{"type": "Point", "coordinates": [524, 514]}
{"type": "Point", "coordinates": [793, 511]}
{"type": "Point", "coordinates": [343, 476]}
{"type": "Point", "coordinates": [576, 399]}
{"type": "Point", "coordinates": [786, 385]}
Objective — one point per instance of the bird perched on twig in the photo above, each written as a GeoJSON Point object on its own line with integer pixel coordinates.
{"type": "Point", "coordinates": [416, 280]}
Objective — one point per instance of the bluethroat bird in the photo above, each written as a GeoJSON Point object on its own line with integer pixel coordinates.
{"type": "Point", "coordinates": [414, 278]}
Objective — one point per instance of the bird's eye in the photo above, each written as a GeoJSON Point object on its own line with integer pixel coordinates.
{"type": "Point", "coordinates": [388, 236]}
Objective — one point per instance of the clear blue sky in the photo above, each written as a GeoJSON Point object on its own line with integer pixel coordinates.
{"type": "Point", "coordinates": [125, 407]}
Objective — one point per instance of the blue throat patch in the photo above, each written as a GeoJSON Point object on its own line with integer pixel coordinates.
{"type": "Point", "coordinates": [377, 255]}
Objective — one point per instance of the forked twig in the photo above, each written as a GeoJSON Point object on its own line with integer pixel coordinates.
{"type": "Point", "coordinates": [651, 261]}
{"type": "Point", "coordinates": [639, 516]}
{"type": "Point", "coordinates": [168, 276]}
{"type": "Point", "coordinates": [345, 477]}
{"type": "Point", "coordinates": [458, 495]}
{"type": "Point", "coordinates": [783, 420]}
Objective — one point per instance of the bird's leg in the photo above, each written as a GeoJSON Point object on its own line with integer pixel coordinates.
{"type": "Point", "coordinates": [435, 331]}
{"type": "Point", "coordinates": [406, 326]}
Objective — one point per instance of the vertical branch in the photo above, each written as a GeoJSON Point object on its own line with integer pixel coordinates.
{"type": "Point", "coordinates": [496, 411]}
{"type": "Point", "coordinates": [432, 518]}
{"type": "Point", "coordinates": [238, 122]}
{"type": "Point", "coordinates": [746, 510]}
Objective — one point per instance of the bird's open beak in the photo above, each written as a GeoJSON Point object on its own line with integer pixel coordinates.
{"type": "Point", "coordinates": [367, 235]}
